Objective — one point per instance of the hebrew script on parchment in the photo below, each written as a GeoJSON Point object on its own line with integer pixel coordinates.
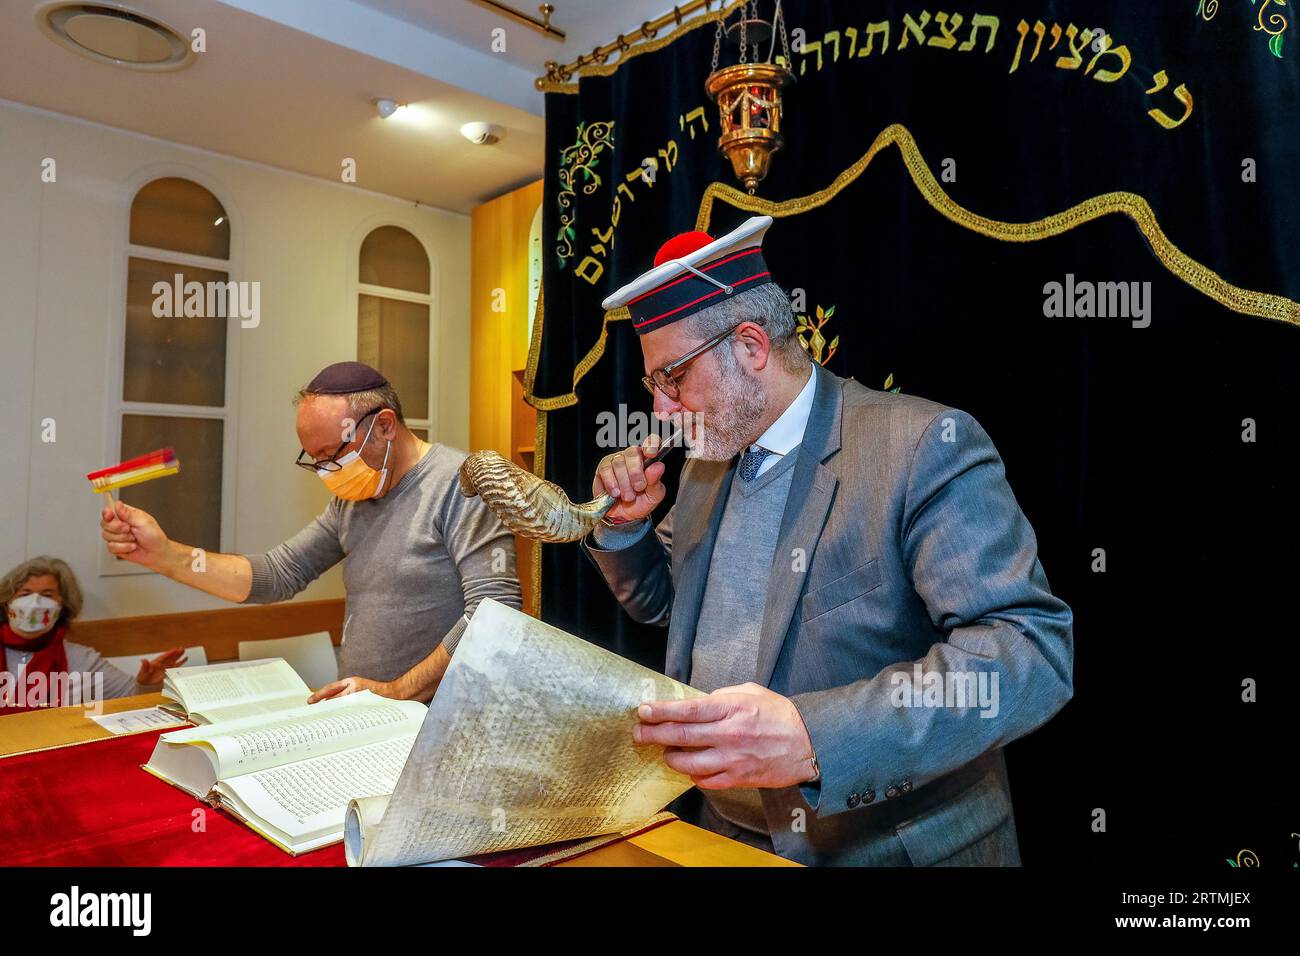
{"type": "Point", "coordinates": [528, 741]}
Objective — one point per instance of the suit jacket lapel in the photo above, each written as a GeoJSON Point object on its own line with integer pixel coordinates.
{"type": "Point", "coordinates": [703, 499]}
{"type": "Point", "coordinates": [812, 490]}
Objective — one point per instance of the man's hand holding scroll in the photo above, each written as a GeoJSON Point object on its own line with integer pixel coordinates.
{"type": "Point", "coordinates": [743, 736]}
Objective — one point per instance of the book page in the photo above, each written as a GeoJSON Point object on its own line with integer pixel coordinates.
{"type": "Point", "coordinates": [251, 744]}
{"type": "Point", "coordinates": [220, 692]}
{"type": "Point", "coordinates": [311, 656]}
{"type": "Point", "coordinates": [311, 796]}
{"type": "Point", "coordinates": [135, 721]}
{"type": "Point", "coordinates": [528, 741]}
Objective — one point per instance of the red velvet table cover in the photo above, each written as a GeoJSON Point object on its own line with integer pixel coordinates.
{"type": "Point", "coordinates": [91, 805]}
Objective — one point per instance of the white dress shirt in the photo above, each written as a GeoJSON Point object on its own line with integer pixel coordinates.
{"type": "Point", "coordinates": [786, 433]}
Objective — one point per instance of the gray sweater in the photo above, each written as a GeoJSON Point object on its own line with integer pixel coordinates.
{"type": "Point", "coordinates": [725, 652]}
{"type": "Point", "coordinates": [415, 565]}
{"type": "Point", "coordinates": [726, 638]}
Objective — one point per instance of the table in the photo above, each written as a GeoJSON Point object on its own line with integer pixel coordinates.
{"type": "Point", "coordinates": [673, 844]}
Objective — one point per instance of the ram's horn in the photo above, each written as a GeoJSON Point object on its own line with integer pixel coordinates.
{"type": "Point", "coordinates": [526, 504]}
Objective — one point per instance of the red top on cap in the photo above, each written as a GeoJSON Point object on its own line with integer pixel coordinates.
{"type": "Point", "coordinates": [681, 245]}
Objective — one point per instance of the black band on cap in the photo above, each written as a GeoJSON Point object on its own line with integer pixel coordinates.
{"type": "Point", "coordinates": [343, 378]}
{"type": "Point", "coordinates": [688, 294]}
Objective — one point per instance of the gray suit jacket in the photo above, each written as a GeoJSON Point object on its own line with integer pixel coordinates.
{"type": "Point", "coordinates": [901, 544]}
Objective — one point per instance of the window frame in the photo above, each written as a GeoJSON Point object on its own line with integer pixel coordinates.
{"type": "Point", "coordinates": [358, 288]}
{"type": "Point", "coordinates": [115, 405]}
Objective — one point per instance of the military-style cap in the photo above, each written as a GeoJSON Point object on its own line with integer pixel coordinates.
{"type": "Point", "coordinates": [694, 271]}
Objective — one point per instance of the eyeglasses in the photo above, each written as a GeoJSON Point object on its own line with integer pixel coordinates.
{"type": "Point", "coordinates": [663, 378]}
{"type": "Point", "coordinates": [331, 463]}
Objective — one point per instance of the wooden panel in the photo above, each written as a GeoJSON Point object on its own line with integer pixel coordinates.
{"type": "Point", "coordinates": [684, 844]}
{"type": "Point", "coordinates": [498, 339]}
{"type": "Point", "coordinates": [499, 417]}
{"type": "Point", "coordinates": [219, 631]}
{"type": "Point", "coordinates": [62, 726]}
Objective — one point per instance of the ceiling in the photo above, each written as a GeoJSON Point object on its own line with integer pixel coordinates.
{"type": "Point", "coordinates": [585, 23]}
{"type": "Point", "coordinates": [292, 84]}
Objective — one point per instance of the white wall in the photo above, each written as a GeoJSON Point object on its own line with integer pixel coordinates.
{"type": "Point", "coordinates": [62, 263]}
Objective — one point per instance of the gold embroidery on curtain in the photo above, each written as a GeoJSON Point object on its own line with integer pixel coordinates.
{"type": "Point", "coordinates": [1195, 274]}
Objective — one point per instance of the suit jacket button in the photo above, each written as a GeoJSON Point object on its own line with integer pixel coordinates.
{"type": "Point", "coordinates": [892, 792]}
{"type": "Point", "coordinates": [854, 800]}
{"type": "Point", "coordinates": [868, 796]}
{"type": "Point", "coordinates": [906, 787]}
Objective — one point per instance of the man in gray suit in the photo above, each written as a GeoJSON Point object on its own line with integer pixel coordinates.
{"type": "Point", "coordinates": [846, 572]}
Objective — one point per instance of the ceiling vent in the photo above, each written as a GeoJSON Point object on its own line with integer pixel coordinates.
{"type": "Point", "coordinates": [111, 33]}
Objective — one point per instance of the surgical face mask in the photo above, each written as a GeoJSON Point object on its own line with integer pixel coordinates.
{"type": "Point", "coordinates": [33, 614]}
{"type": "Point", "coordinates": [355, 480]}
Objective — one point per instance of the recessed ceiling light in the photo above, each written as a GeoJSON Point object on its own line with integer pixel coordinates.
{"type": "Point", "coordinates": [481, 134]}
{"type": "Point", "coordinates": [115, 34]}
{"type": "Point", "coordinates": [387, 106]}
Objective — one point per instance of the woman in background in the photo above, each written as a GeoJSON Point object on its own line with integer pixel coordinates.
{"type": "Point", "coordinates": [41, 597]}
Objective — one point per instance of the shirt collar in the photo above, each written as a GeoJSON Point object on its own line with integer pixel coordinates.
{"type": "Point", "coordinates": [787, 431]}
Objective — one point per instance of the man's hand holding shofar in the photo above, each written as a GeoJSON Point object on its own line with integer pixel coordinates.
{"type": "Point", "coordinates": [745, 736]}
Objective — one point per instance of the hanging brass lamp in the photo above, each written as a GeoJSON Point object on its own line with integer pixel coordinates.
{"type": "Point", "coordinates": [748, 93]}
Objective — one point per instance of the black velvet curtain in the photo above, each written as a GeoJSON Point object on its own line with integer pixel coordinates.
{"type": "Point", "coordinates": [1163, 443]}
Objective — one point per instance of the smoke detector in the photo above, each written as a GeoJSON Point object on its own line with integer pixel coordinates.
{"type": "Point", "coordinates": [115, 34]}
{"type": "Point", "coordinates": [481, 134]}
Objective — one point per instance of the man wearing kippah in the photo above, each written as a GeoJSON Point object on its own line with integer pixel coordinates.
{"type": "Point", "coordinates": [417, 555]}
{"type": "Point", "coordinates": [846, 572]}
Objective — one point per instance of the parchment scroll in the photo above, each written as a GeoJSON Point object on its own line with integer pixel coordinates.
{"type": "Point", "coordinates": [528, 741]}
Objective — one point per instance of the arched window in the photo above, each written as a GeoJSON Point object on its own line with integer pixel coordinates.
{"type": "Point", "coordinates": [181, 310]}
{"type": "Point", "coordinates": [393, 303]}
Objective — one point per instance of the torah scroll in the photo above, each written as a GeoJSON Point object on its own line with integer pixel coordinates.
{"type": "Point", "coordinates": [528, 741]}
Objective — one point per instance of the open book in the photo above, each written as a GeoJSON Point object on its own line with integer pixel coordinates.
{"type": "Point", "coordinates": [289, 775]}
{"type": "Point", "coordinates": [221, 692]}
{"type": "Point", "coordinates": [527, 742]}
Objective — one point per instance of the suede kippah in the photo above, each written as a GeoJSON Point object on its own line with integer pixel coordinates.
{"type": "Point", "coordinates": [343, 378]}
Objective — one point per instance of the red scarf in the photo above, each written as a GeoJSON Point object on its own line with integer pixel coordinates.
{"type": "Point", "coordinates": [50, 659]}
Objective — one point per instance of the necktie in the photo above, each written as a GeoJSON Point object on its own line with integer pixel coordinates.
{"type": "Point", "coordinates": [751, 462]}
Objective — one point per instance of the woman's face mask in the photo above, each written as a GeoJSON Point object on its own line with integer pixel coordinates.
{"type": "Point", "coordinates": [355, 480]}
{"type": "Point", "coordinates": [33, 614]}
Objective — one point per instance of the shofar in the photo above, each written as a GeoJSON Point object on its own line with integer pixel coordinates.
{"type": "Point", "coordinates": [526, 504]}
{"type": "Point", "coordinates": [532, 506]}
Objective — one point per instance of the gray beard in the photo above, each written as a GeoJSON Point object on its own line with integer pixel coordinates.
{"type": "Point", "coordinates": [725, 431]}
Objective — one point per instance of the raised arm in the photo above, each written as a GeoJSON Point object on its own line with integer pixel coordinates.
{"type": "Point", "coordinates": [287, 568]}
{"type": "Point", "coordinates": [636, 565]}
{"type": "Point", "coordinates": [135, 535]}
{"type": "Point", "coordinates": [277, 575]}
